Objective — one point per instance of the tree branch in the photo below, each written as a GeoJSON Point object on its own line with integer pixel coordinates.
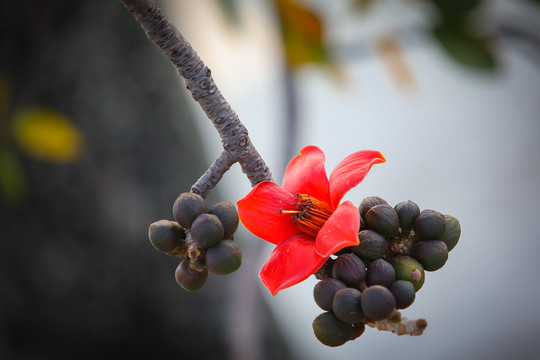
{"type": "Point", "coordinates": [198, 80]}
{"type": "Point", "coordinates": [214, 174]}
{"type": "Point", "coordinates": [234, 136]}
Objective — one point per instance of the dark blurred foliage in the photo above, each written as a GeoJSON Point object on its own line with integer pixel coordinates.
{"type": "Point", "coordinates": [458, 27]}
{"type": "Point", "coordinates": [78, 277]}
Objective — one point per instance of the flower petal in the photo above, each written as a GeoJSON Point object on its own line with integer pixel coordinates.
{"type": "Point", "coordinates": [350, 172]}
{"type": "Point", "coordinates": [305, 174]}
{"type": "Point", "coordinates": [259, 211]}
{"type": "Point", "coordinates": [339, 231]}
{"type": "Point", "coordinates": [291, 262]}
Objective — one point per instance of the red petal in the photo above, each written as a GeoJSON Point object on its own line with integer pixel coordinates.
{"type": "Point", "coordinates": [259, 211]}
{"type": "Point", "coordinates": [291, 262]}
{"type": "Point", "coordinates": [350, 171]}
{"type": "Point", "coordinates": [339, 231]}
{"type": "Point", "coordinates": [305, 174]}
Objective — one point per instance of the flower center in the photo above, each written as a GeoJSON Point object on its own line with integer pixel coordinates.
{"type": "Point", "coordinates": [309, 214]}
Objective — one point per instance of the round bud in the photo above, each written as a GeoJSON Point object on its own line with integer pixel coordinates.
{"type": "Point", "coordinates": [324, 292]}
{"type": "Point", "coordinates": [188, 278]}
{"type": "Point", "coordinates": [187, 207]}
{"type": "Point", "coordinates": [166, 235]}
{"type": "Point", "coordinates": [331, 331]}
{"type": "Point", "coordinates": [368, 203]}
{"type": "Point", "coordinates": [349, 269]}
{"type": "Point", "coordinates": [403, 292]}
{"type": "Point", "coordinates": [325, 271]}
{"type": "Point", "coordinates": [452, 232]}
{"type": "Point", "coordinates": [372, 245]}
{"type": "Point", "coordinates": [206, 230]}
{"type": "Point", "coordinates": [408, 269]}
{"type": "Point", "coordinates": [347, 307]}
{"type": "Point", "coordinates": [224, 258]}
{"type": "Point", "coordinates": [407, 212]}
{"type": "Point", "coordinates": [358, 330]}
{"type": "Point", "coordinates": [377, 302]}
{"type": "Point", "coordinates": [431, 254]}
{"type": "Point", "coordinates": [383, 219]}
{"type": "Point", "coordinates": [226, 212]}
{"type": "Point", "coordinates": [429, 225]}
{"type": "Point", "coordinates": [380, 272]}
{"type": "Point", "coordinates": [362, 224]}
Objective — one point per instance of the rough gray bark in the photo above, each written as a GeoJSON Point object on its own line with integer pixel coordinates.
{"type": "Point", "coordinates": [199, 82]}
{"type": "Point", "coordinates": [214, 174]}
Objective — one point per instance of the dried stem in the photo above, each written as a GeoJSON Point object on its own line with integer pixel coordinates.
{"type": "Point", "coordinates": [198, 80]}
{"type": "Point", "coordinates": [400, 325]}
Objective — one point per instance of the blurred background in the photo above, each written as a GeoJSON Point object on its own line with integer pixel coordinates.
{"type": "Point", "coordinates": [98, 136]}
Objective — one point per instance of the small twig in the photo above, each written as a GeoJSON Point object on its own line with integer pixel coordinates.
{"type": "Point", "coordinates": [400, 325]}
{"type": "Point", "coordinates": [198, 80]}
{"type": "Point", "coordinates": [214, 174]}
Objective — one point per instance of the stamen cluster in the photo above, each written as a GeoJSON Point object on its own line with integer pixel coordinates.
{"type": "Point", "coordinates": [310, 214]}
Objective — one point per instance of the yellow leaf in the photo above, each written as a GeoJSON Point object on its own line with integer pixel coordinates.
{"type": "Point", "coordinates": [46, 134]}
{"type": "Point", "coordinates": [302, 34]}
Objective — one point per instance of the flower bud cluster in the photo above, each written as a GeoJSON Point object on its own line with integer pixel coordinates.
{"type": "Point", "coordinates": [369, 282]}
{"type": "Point", "coordinates": [202, 237]}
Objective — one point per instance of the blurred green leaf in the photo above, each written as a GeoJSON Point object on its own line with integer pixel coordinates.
{"type": "Point", "coordinates": [46, 134]}
{"type": "Point", "coordinates": [451, 9]}
{"type": "Point", "coordinates": [12, 181]}
{"type": "Point", "coordinates": [302, 34]}
{"type": "Point", "coordinates": [466, 49]}
{"type": "Point", "coordinates": [231, 11]}
{"type": "Point", "coordinates": [363, 5]}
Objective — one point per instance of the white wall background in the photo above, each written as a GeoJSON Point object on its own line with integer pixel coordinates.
{"type": "Point", "coordinates": [461, 142]}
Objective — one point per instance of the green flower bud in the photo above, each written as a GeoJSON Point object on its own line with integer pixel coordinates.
{"type": "Point", "coordinates": [189, 279]}
{"type": "Point", "coordinates": [206, 230]}
{"type": "Point", "coordinates": [372, 245]}
{"type": "Point", "coordinates": [166, 236]}
{"type": "Point", "coordinates": [452, 232]}
{"type": "Point", "coordinates": [408, 269]}
{"type": "Point", "coordinates": [358, 330]}
{"type": "Point", "coordinates": [349, 269]}
{"type": "Point", "coordinates": [380, 272]}
{"type": "Point", "coordinates": [403, 292]}
{"type": "Point", "coordinates": [407, 212]}
{"type": "Point", "coordinates": [377, 302]}
{"type": "Point", "coordinates": [224, 258]}
{"type": "Point", "coordinates": [432, 254]}
{"type": "Point", "coordinates": [324, 292]}
{"type": "Point", "coordinates": [429, 225]}
{"type": "Point", "coordinates": [368, 203]}
{"type": "Point", "coordinates": [227, 214]}
{"type": "Point", "coordinates": [187, 207]}
{"type": "Point", "coordinates": [331, 331]}
{"type": "Point", "coordinates": [346, 306]}
{"type": "Point", "coordinates": [383, 219]}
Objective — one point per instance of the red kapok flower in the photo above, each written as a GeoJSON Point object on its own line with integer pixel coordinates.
{"type": "Point", "coordinates": [304, 217]}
